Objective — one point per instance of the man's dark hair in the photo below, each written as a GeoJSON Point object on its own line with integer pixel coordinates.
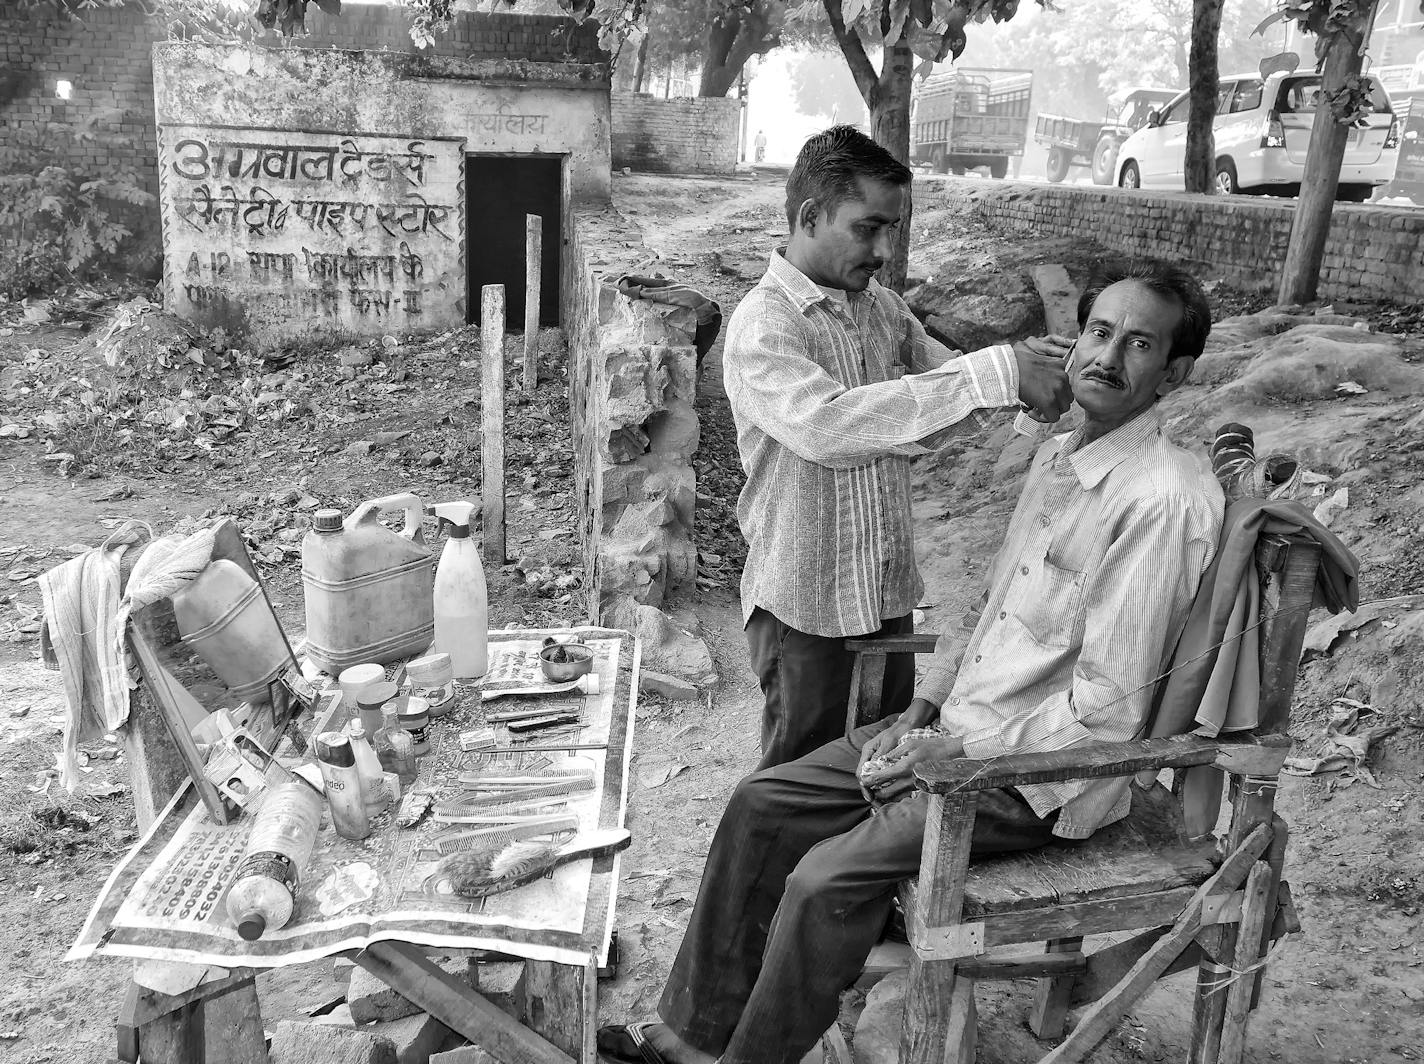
{"type": "Point", "coordinates": [1189, 337]}
{"type": "Point", "coordinates": [828, 165]}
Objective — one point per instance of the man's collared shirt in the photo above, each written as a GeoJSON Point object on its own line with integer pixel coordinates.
{"type": "Point", "coordinates": [827, 419]}
{"type": "Point", "coordinates": [1086, 600]}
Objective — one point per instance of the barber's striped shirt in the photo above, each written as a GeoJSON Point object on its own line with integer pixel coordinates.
{"type": "Point", "coordinates": [1086, 600]}
{"type": "Point", "coordinates": [827, 419]}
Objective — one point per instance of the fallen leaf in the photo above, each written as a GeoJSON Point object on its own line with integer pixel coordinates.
{"type": "Point", "coordinates": [1350, 388]}
{"type": "Point", "coordinates": [657, 775]}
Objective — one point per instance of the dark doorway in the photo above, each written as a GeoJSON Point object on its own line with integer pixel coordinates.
{"type": "Point", "coordinates": [500, 191]}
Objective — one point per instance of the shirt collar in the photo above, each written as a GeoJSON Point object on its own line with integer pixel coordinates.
{"type": "Point", "coordinates": [800, 289]}
{"type": "Point", "coordinates": [1094, 461]}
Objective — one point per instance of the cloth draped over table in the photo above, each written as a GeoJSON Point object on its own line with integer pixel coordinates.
{"type": "Point", "coordinates": [87, 607]}
{"type": "Point", "coordinates": [1214, 683]}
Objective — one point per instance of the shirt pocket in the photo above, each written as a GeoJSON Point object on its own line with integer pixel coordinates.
{"type": "Point", "coordinates": [1051, 606]}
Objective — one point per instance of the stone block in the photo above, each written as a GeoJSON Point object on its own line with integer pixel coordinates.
{"type": "Point", "coordinates": [675, 430]}
{"type": "Point", "coordinates": [464, 1055]}
{"type": "Point", "coordinates": [415, 1037]}
{"type": "Point", "coordinates": [294, 1042]}
{"type": "Point", "coordinates": [660, 683]}
{"type": "Point", "coordinates": [498, 983]}
{"type": "Point", "coordinates": [339, 1016]}
{"type": "Point", "coordinates": [370, 1000]}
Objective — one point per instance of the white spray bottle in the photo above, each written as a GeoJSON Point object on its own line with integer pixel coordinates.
{"type": "Point", "coordinates": [461, 598]}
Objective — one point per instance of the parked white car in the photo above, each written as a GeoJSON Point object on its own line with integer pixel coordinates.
{"type": "Point", "coordinates": [1262, 130]}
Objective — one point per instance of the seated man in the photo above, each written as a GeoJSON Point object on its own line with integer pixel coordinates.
{"type": "Point", "coordinates": [1086, 599]}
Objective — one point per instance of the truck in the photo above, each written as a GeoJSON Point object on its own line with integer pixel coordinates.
{"type": "Point", "coordinates": [1081, 142]}
{"type": "Point", "coordinates": [970, 118]}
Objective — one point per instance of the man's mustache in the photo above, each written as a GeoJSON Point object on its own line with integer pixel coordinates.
{"type": "Point", "coordinates": [1110, 379]}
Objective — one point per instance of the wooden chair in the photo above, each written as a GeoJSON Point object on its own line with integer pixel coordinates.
{"type": "Point", "coordinates": [1214, 904]}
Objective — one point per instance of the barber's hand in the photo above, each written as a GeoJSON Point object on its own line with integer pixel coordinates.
{"type": "Point", "coordinates": [898, 776]}
{"type": "Point", "coordinates": [1043, 381]}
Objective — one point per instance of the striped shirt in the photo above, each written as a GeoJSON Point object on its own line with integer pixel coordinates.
{"type": "Point", "coordinates": [1086, 600]}
{"type": "Point", "coordinates": [827, 419]}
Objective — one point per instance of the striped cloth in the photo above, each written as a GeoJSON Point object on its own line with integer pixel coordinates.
{"type": "Point", "coordinates": [1086, 601]}
{"type": "Point", "coordinates": [827, 418]}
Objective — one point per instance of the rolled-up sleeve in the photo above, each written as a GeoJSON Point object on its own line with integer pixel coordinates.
{"type": "Point", "coordinates": [1134, 609]}
{"type": "Point", "coordinates": [771, 381]}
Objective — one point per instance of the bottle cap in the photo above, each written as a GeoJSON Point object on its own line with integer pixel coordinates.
{"type": "Point", "coordinates": [251, 926]}
{"type": "Point", "coordinates": [377, 694]}
{"type": "Point", "coordinates": [335, 749]}
{"type": "Point", "coordinates": [327, 521]}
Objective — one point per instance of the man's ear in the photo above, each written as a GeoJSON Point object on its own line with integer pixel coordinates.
{"type": "Point", "coordinates": [807, 215]}
{"type": "Point", "coordinates": [1178, 370]}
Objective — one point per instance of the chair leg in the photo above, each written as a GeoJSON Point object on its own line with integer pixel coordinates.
{"type": "Point", "coordinates": [1049, 1015]}
{"type": "Point", "coordinates": [940, 1025]}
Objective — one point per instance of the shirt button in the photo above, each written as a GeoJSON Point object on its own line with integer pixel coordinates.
{"type": "Point", "coordinates": [1023, 569]}
{"type": "Point", "coordinates": [1045, 520]}
{"type": "Point", "coordinates": [978, 658]}
{"type": "Point", "coordinates": [954, 701]}
{"type": "Point", "coordinates": [1002, 614]}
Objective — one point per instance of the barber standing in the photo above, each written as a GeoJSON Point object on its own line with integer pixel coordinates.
{"type": "Point", "coordinates": [834, 385]}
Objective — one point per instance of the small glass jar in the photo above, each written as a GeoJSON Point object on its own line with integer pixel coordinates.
{"type": "Point", "coordinates": [433, 679]}
{"type": "Point", "coordinates": [370, 705]}
{"type": "Point", "coordinates": [414, 717]}
{"type": "Point", "coordinates": [396, 749]}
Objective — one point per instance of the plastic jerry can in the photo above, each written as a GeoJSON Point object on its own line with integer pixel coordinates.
{"type": "Point", "coordinates": [369, 591]}
{"type": "Point", "coordinates": [225, 618]}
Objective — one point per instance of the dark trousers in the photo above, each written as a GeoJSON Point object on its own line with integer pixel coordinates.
{"type": "Point", "coordinates": [805, 680]}
{"type": "Point", "coordinates": [798, 886]}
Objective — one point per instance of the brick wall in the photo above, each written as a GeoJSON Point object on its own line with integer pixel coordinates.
{"type": "Point", "coordinates": [688, 135]}
{"type": "Point", "coordinates": [107, 57]}
{"type": "Point", "coordinates": [632, 379]}
{"type": "Point", "coordinates": [1372, 253]}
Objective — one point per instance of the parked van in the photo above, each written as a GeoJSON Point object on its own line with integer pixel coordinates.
{"type": "Point", "coordinates": [1262, 130]}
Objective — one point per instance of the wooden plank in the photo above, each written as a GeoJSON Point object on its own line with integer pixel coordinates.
{"type": "Point", "coordinates": [949, 830]}
{"type": "Point", "coordinates": [1081, 918]}
{"type": "Point", "coordinates": [871, 689]}
{"type": "Point", "coordinates": [913, 643]}
{"type": "Point", "coordinates": [1248, 952]}
{"type": "Point", "coordinates": [1093, 761]}
{"type": "Point", "coordinates": [406, 969]}
{"type": "Point", "coordinates": [176, 1038]}
{"type": "Point", "coordinates": [961, 1040]}
{"type": "Point", "coordinates": [153, 1002]}
{"type": "Point", "coordinates": [1049, 1013]}
{"type": "Point", "coordinates": [558, 1002]}
{"type": "Point", "coordinates": [1063, 962]}
{"type": "Point", "coordinates": [1103, 1016]}
{"type": "Point", "coordinates": [1109, 964]}
{"type": "Point", "coordinates": [492, 410]}
{"type": "Point", "coordinates": [1276, 862]}
{"type": "Point", "coordinates": [232, 1027]}
{"type": "Point", "coordinates": [533, 262]}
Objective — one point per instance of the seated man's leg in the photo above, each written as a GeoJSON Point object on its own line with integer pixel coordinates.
{"type": "Point", "coordinates": [774, 818]}
{"type": "Point", "coordinates": [833, 911]}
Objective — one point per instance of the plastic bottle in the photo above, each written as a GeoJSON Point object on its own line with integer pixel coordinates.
{"type": "Point", "coordinates": [374, 794]}
{"type": "Point", "coordinates": [226, 619]}
{"type": "Point", "coordinates": [368, 590]}
{"type": "Point", "coordinates": [461, 598]}
{"type": "Point", "coordinates": [342, 779]}
{"type": "Point", "coordinates": [396, 749]}
{"type": "Point", "coordinates": [278, 849]}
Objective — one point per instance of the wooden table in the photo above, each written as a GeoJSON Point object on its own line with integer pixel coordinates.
{"type": "Point", "coordinates": [194, 1013]}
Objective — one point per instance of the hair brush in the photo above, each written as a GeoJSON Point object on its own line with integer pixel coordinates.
{"type": "Point", "coordinates": [493, 869]}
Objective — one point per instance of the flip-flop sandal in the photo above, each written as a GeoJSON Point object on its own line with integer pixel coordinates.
{"type": "Point", "coordinates": [625, 1043]}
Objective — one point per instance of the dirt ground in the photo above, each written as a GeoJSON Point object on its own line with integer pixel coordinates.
{"type": "Point", "coordinates": [1349, 988]}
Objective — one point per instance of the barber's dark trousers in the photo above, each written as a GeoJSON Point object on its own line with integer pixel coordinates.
{"type": "Point", "coordinates": [805, 680]}
{"type": "Point", "coordinates": [798, 886]}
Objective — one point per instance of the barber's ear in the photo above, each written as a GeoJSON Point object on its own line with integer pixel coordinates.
{"type": "Point", "coordinates": [808, 214]}
{"type": "Point", "coordinates": [1178, 370]}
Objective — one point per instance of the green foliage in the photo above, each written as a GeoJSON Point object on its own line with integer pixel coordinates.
{"type": "Point", "coordinates": [57, 224]}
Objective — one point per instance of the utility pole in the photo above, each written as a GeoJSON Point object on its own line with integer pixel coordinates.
{"type": "Point", "coordinates": [1310, 228]}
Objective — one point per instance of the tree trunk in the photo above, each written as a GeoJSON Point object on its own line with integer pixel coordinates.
{"type": "Point", "coordinates": [640, 68]}
{"type": "Point", "coordinates": [745, 32]}
{"type": "Point", "coordinates": [889, 104]}
{"type": "Point", "coordinates": [1200, 162]}
{"type": "Point", "coordinates": [1310, 227]}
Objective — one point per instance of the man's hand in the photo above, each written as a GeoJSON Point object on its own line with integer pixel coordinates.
{"type": "Point", "coordinates": [918, 714]}
{"type": "Point", "coordinates": [1043, 380]}
{"type": "Point", "coordinates": [898, 777]}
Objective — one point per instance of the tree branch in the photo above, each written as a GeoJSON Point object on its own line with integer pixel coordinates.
{"type": "Point", "coordinates": [861, 69]}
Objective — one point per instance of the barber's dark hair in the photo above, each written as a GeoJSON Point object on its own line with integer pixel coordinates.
{"type": "Point", "coordinates": [828, 165]}
{"type": "Point", "coordinates": [1189, 337]}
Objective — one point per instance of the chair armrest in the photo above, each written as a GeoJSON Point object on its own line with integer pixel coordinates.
{"type": "Point", "coordinates": [1258, 755]}
{"type": "Point", "coordinates": [921, 643]}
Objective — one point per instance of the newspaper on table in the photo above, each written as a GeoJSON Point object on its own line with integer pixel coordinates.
{"type": "Point", "coordinates": [166, 898]}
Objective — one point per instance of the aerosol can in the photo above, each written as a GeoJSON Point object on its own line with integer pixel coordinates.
{"type": "Point", "coordinates": [461, 599]}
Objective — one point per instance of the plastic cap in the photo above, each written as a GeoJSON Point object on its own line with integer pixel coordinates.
{"type": "Point", "coordinates": [377, 694]}
{"type": "Point", "coordinates": [251, 926]}
{"type": "Point", "coordinates": [327, 521]}
{"type": "Point", "coordinates": [335, 749]}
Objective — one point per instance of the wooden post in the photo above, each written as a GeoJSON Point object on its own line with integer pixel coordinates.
{"type": "Point", "coordinates": [559, 1001]}
{"type": "Point", "coordinates": [533, 259]}
{"type": "Point", "coordinates": [492, 404]}
{"type": "Point", "coordinates": [1310, 227]}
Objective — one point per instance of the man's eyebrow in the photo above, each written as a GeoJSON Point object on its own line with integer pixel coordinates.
{"type": "Point", "coordinates": [1130, 332]}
